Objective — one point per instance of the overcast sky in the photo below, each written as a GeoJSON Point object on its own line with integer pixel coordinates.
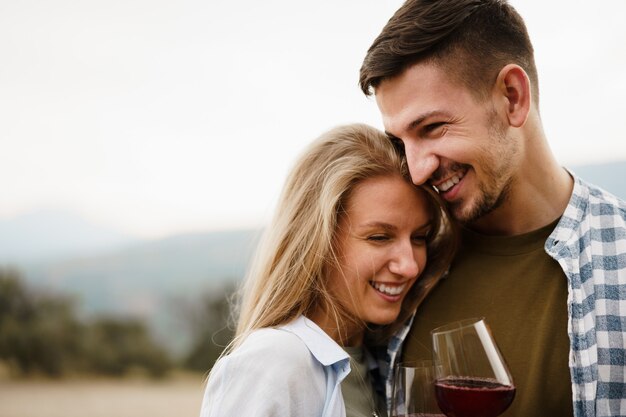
{"type": "Point", "coordinates": [156, 117]}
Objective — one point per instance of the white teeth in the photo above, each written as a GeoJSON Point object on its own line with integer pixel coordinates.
{"type": "Point", "coordinates": [445, 186]}
{"type": "Point", "coordinates": [388, 289]}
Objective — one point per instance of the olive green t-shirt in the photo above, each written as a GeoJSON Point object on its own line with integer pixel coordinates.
{"type": "Point", "coordinates": [357, 389]}
{"type": "Point", "coordinates": [522, 293]}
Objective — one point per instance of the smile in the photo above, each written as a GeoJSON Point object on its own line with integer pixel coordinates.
{"type": "Point", "coordinates": [450, 182]}
{"type": "Point", "coordinates": [388, 289]}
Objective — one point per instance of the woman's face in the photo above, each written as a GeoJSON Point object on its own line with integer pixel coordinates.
{"type": "Point", "coordinates": [381, 246]}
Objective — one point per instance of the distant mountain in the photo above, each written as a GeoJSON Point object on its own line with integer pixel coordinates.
{"type": "Point", "coordinates": [51, 234]}
{"type": "Point", "coordinates": [610, 176]}
{"type": "Point", "coordinates": [136, 278]}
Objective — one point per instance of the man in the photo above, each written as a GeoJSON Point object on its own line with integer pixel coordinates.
{"type": "Point", "coordinates": [543, 253]}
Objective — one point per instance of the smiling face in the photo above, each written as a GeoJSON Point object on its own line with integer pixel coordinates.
{"type": "Point", "coordinates": [452, 141]}
{"type": "Point", "coordinates": [381, 249]}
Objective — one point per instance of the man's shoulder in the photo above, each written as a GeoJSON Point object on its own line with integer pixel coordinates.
{"type": "Point", "coordinates": [592, 214]}
{"type": "Point", "coordinates": [598, 202]}
{"type": "Point", "coordinates": [600, 196]}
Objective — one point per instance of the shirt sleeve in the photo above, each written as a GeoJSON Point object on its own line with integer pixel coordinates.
{"type": "Point", "coordinates": [271, 374]}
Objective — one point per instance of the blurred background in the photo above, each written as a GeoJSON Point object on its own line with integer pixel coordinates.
{"type": "Point", "coordinates": [143, 145]}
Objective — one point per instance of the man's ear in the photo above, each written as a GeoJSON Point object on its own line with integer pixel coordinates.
{"type": "Point", "coordinates": [513, 89]}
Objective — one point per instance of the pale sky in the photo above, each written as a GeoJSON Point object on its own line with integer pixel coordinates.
{"type": "Point", "coordinates": [156, 117]}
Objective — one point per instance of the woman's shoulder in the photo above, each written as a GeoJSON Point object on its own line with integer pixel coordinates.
{"type": "Point", "coordinates": [277, 344]}
{"type": "Point", "coordinates": [274, 371]}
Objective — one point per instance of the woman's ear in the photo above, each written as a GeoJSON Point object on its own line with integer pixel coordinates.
{"type": "Point", "coordinates": [513, 89]}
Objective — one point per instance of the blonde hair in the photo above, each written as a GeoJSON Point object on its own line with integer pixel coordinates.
{"type": "Point", "coordinates": [286, 278]}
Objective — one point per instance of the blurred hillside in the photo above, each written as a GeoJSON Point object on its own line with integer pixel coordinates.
{"type": "Point", "coordinates": [134, 279]}
{"type": "Point", "coordinates": [156, 281]}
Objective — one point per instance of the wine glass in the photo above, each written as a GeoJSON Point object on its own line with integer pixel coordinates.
{"type": "Point", "coordinates": [413, 390]}
{"type": "Point", "coordinates": [472, 379]}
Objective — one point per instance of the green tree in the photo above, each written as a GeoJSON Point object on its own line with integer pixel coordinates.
{"type": "Point", "coordinates": [115, 346]}
{"type": "Point", "coordinates": [38, 333]}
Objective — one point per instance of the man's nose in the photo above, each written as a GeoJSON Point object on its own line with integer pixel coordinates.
{"type": "Point", "coordinates": [421, 161]}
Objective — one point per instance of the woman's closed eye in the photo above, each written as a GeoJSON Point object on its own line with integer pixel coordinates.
{"type": "Point", "coordinates": [421, 235]}
{"type": "Point", "coordinates": [378, 238]}
{"type": "Point", "coordinates": [420, 238]}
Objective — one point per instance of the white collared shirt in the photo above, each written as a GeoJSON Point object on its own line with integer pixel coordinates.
{"type": "Point", "coordinates": [292, 370]}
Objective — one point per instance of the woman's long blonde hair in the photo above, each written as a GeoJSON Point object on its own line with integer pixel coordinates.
{"type": "Point", "coordinates": [286, 278]}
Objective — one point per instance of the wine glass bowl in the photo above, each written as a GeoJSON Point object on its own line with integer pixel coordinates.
{"type": "Point", "coordinates": [472, 379]}
{"type": "Point", "coordinates": [413, 390]}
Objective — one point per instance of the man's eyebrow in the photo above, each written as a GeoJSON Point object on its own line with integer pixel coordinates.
{"type": "Point", "coordinates": [420, 119]}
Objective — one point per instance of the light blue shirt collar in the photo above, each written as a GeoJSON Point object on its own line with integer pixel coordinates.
{"type": "Point", "coordinates": [321, 346]}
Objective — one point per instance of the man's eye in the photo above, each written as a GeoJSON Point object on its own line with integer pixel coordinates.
{"type": "Point", "coordinates": [433, 127]}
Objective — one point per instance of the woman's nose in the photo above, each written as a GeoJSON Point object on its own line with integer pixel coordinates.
{"type": "Point", "coordinates": [404, 262]}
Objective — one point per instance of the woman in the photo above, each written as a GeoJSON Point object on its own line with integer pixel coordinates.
{"type": "Point", "coordinates": [337, 270]}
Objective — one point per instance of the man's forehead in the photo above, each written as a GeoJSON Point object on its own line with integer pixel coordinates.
{"type": "Point", "coordinates": [421, 91]}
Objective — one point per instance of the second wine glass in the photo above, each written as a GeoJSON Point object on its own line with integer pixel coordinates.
{"type": "Point", "coordinates": [413, 390]}
{"type": "Point", "coordinates": [473, 379]}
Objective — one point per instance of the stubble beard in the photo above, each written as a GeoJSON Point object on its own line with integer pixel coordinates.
{"type": "Point", "coordinates": [486, 203]}
{"type": "Point", "coordinates": [496, 190]}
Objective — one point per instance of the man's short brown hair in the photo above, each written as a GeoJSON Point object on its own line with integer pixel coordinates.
{"type": "Point", "coordinates": [470, 39]}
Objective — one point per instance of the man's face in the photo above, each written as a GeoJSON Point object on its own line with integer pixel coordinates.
{"type": "Point", "coordinates": [452, 140]}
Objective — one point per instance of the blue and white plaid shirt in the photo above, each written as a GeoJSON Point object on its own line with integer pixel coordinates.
{"type": "Point", "coordinates": [589, 243]}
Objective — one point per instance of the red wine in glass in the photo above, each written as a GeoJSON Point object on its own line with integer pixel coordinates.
{"type": "Point", "coordinates": [473, 397]}
{"type": "Point", "coordinates": [472, 379]}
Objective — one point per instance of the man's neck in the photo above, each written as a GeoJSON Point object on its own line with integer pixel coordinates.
{"type": "Point", "coordinates": [538, 195]}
